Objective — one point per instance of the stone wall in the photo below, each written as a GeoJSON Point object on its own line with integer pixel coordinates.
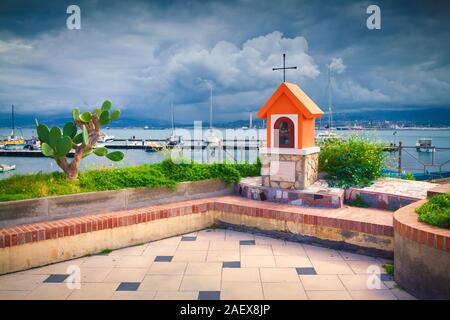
{"type": "Point", "coordinates": [295, 171]}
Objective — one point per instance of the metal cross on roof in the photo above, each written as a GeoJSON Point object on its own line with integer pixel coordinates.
{"type": "Point", "coordinates": [284, 67]}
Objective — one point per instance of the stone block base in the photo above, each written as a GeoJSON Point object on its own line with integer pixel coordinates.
{"type": "Point", "coordinates": [289, 170]}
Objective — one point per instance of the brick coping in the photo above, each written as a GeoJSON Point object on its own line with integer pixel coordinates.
{"type": "Point", "coordinates": [406, 225]}
{"type": "Point", "coordinates": [370, 221]}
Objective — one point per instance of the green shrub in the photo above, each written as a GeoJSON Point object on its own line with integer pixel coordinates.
{"type": "Point", "coordinates": [436, 211]}
{"type": "Point", "coordinates": [389, 268]}
{"type": "Point", "coordinates": [409, 176]}
{"type": "Point", "coordinates": [355, 162]}
{"type": "Point", "coordinates": [166, 173]}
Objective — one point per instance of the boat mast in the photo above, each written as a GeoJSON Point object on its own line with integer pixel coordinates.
{"type": "Point", "coordinates": [210, 106]}
{"type": "Point", "coordinates": [330, 100]}
{"type": "Point", "coordinates": [173, 128]}
{"type": "Point", "coordinates": [12, 121]}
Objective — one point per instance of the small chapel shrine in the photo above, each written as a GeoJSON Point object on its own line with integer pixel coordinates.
{"type": "Point", "coordinates": [291, 158]}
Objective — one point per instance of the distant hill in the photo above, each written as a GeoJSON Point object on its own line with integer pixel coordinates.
{"type": "Point", "coordinates": [424, 117]}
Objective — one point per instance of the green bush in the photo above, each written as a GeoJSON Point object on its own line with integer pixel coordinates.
{"type": "Point", "coordinates": [355, 162]}
{"type": "Point", "coordinates": [436, 211]}
{"type": "Point", "coordinates": [166, 173]}
{"type": "Point", "coordinates": [409, 176]}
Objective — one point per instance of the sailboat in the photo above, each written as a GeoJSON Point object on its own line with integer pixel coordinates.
{"type": "Point", "coordinates": [12, 142]}
{"type": "Point", "coordinates": [174, 140]}
{"type": "Point", "coordinates": [328, 133]}
{"type": "Point", "coordinates": [210, 138]}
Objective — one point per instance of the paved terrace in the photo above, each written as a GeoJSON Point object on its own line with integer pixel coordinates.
{"type": "Point", "coordinates": [209, 264]}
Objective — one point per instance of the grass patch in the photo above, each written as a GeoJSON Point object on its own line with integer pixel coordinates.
{"type": "Point", "coordinates": [163, 174]}
{"type": "Point", "coordinates": [389, 268]}
{"type": "Point", "coordinates": [106, 251]}
{"type": "Point", "coordinates": [436, 211]}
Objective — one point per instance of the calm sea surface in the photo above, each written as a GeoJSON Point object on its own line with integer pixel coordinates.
{"type": "Point", "coordinates": [412, 160]}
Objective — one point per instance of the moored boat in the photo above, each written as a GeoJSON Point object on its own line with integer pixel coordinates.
{"type": "Point", "coordinates": [7, 167]}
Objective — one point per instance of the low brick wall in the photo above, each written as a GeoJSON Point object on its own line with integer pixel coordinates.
{"type": "Point", "coordinates": [378, 200]}
{"type": "Point", "coordinates": [304, 198]}
{"type": "Point", "coordinates": [76, 205]}
{"type": "Point", "coordinates": [32, 245]}
{"type": "Point", "coordinates": [422, 255]}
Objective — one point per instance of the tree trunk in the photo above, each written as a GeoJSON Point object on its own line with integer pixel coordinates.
{"type": "Point", "coordinates": [71, 169]}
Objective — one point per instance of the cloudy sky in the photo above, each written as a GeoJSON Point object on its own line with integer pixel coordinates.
{"type": "Point", "coordinates": [142, 55]}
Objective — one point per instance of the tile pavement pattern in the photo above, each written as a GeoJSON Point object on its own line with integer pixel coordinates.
{"type": "Point", "coordinates": [212, 264]}
{"type": "Point", "coordinates": [371, 221]}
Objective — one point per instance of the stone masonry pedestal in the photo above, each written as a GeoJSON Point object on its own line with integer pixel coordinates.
{"type": "Point", "coordinates": [289, 168]}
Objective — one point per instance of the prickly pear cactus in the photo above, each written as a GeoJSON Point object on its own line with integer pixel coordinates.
{"type": "Point", "coordinates": [79, 135]}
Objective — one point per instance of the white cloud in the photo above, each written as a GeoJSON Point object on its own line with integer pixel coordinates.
{"type": "Point", "coordinates": [337, 65]}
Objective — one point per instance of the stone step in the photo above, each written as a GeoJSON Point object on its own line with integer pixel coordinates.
{"type": "Point", "coordinates": [318, 195]}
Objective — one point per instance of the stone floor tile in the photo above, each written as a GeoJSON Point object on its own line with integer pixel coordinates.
{"type": "Point", "coordinates": [358, 282]}
{"type": "Point", "coordinates": [169, 268]}
{"type": "Point", "coordinates": [209, 295]}
{"type": "Point", "coordinates": [283, 291]}
{"type": "Point", "coordinates": [241, 291]}
{"type": "Point", "coordinates": [220, 256]}
{"type": "Point", "coordinates": [329, 295]}
{"type": "Point", "coordinates": [13, 295]}
{"type": "Point", "coordinates": [94, 291]}
{"type": "Point", "coordinates": [321, 282]}
{"type": "Point", "coordinates": [190, 256]}
{"type": "Point", "coordinates": [100, 261]}
{"type": "Point", "coordinates": [331, 267]}
{"type": "Point", "coordinates": [204, 268]}
{"type": "Point", "coordinates": [188, 238]}
{"type": "Point", "coordinates": [23, 282]}
{"type": "Point", "coordinates": [231, 264]}
{"type": "Point", "coordinates": [163, 259]}
{"type": "Point", "coordinates": [135, 261]}
{"type": "Point", "coordinates": [261, 240]}
{"type": "Point", "coordinates": [256, 250]}
{"type": "Point", "coordinates": [128, 286]}
{"type": "Point", "coordinates": [130, 251]}
{"type": "Point", "coordinates": [118, 275]}
{"type": "Point", "coordinates": [193, 246]}
{"type": "Point", "coordinates": [56, 278]}
{"type": "Point", "coordinates": [319, 253]}
{"type": "Point", "coordinates": [235, 235]}
{"type": "Point", "coordinates": [366, 266]}
{"type": "Point", "coordinates": [292, 261]}
{"type": "Point", "coordinates": [176, 295]}
{"type": "Point", "coordinates": [201, 283]}
{"type": "Point", "coordinates": [224, 245]}
{"type": "Point", "coordinates": [288, 250]}
{"type": "Point", "coordinates": [166, 250]}
{"type": "Point", "coordinates": [372, 295]}
{"type": "Point", "coordinates": [94, 274]}
{"type": "Point", "coordinates": [134, 295]}
{"type": "Point", "coordinates": [240, 275]}
{"type": "Point", "coordinates": [279, 275]}
{"type": "Point", "coordinates": [50, 291]}
{"type": "Point", "coordinates": [257, 261]}
{"type": "Point", "coordinates": [306, 271]}
{"type": "Point", "coordinates": [216, 235]}
{"type": "Point", "coordinates": [402, 294]}
{"type": "Point", "coordinates": [247, 242]}
{"type": "Point", "coordinates": [350, 256]}
{"type": "Point", "coordinates": [161, 283]}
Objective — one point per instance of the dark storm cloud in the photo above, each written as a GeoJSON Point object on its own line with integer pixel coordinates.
{"type": "Point", "coordinates": [144, 54]}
